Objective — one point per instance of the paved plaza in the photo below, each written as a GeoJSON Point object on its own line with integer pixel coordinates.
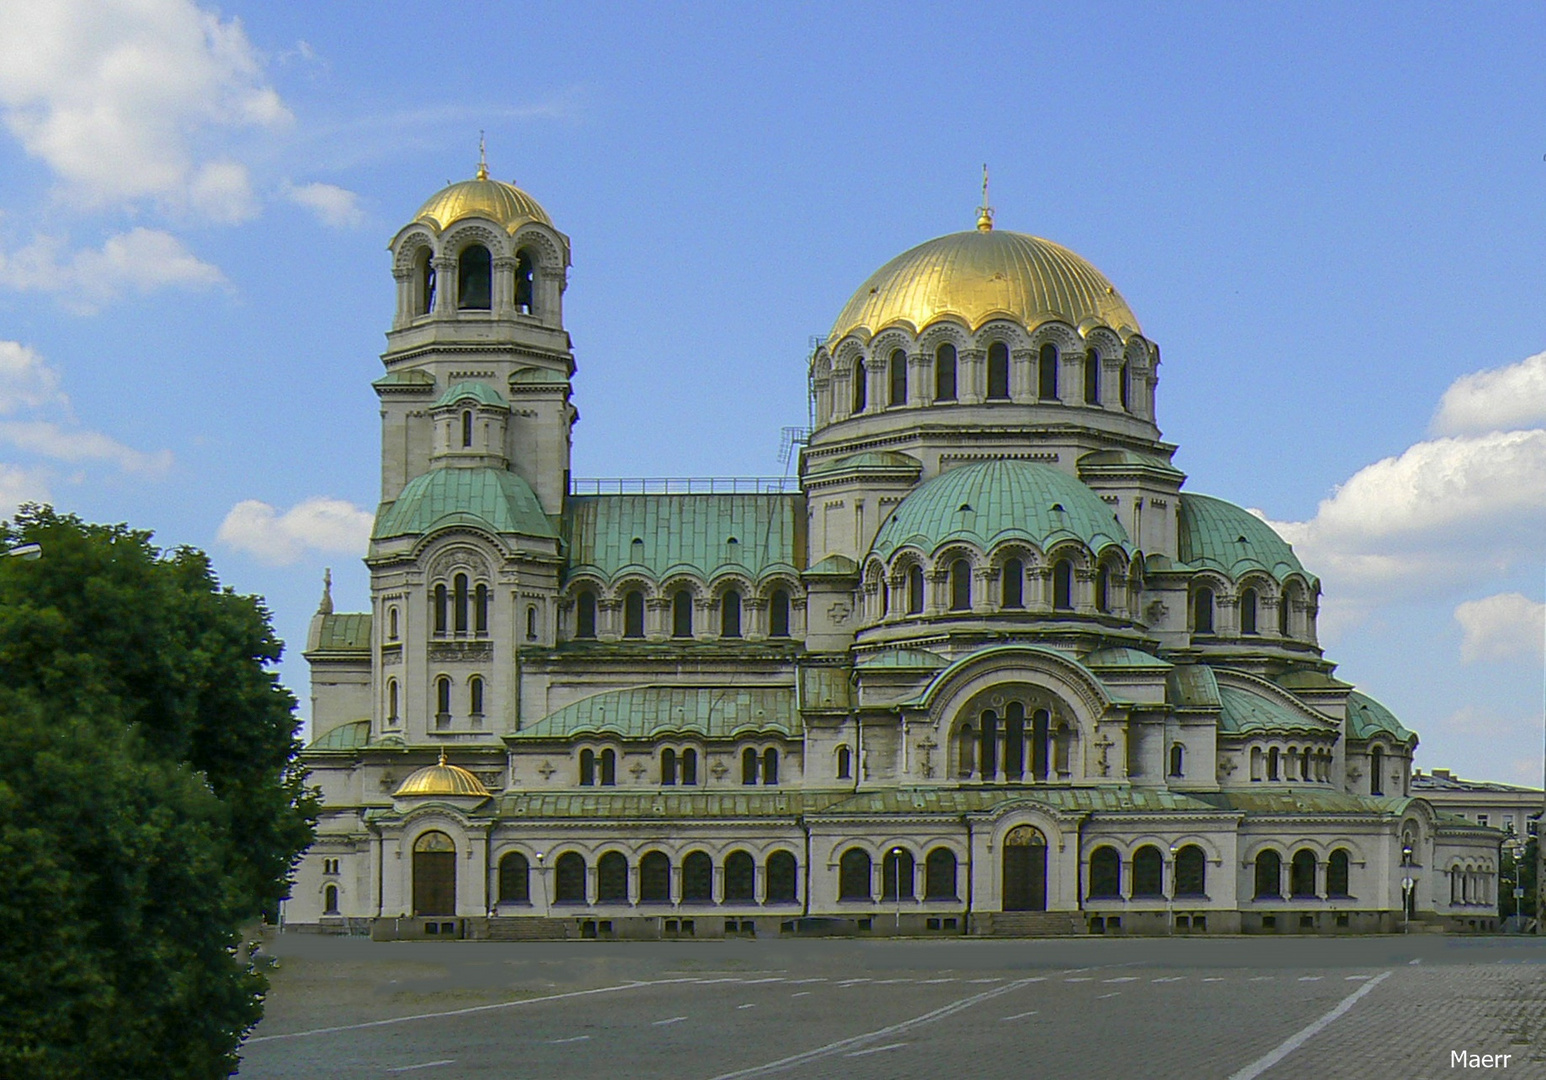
{"type": "Point", "coordinates": [1234, 1009]}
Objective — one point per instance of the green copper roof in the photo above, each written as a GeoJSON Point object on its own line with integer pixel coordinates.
{"type": "Point", "coordinates": [483, 393]}
{"type": "Point", "coordinates": [699, 534]}
{"type": "Point", "coordinates": [1127, 461]}
{"type": "Point", "coordinates": [908, 659]}
{"type": "Point", "coordinates": [350, 736]}
{"type": "Point", "coordinates": [1310, 679]}
{"type": "Point", "coordinates": [1222, 536]}
{"type": "Point", "coordinates": [1192, 686]}
{"type": "Point", "coordinates": [1366, 717]}
{"type": "Point", "coordinates": [492, 499]}
{"type": "Point", "coordinates": [1000, 500]}
{"type": "Point", "coordinates": [1245, 712]}
{"type": "Point", "coordinates": [834, 566]}
{"type": "Point", "coordinates": [645, 712]}
{"type": "Point", "coordinates": [410, 379]}
{"type": "Point", "coordinates": [824, 688]}
{"type": "Point", "coordinates": [535, 376]}
{"type": "Point", "coordinates": [1118, 657]}
{"type": "Point", "coordinates": [344, 632]}
{"type": "Point", "coordinates": [1303, 800]}
{"type": "Point", "coordinates": [883, 460]}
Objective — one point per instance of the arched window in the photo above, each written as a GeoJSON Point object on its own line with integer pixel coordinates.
{"type": "Point", "coordinates": [1063, 585]}
{"type": "Point", "coordinates": [945, 373]}
{"type": "Point", "coordinates": [1202, 610]}
{"type": "Point", "coordinates": [1177, 759]}
{"type": "Point", "coordinates": [998, 371]}
{"type": "Point", "coordinates": [1376, 770]}
{"type": "Point", "coordinates": [915, 589]}
{"type": "Point", "coordinates": [475, 695]}
{"type": "Point", "coordinates": [1014, 741]}
{"type": "Point", "coordinates": [689, 765]}
{"type": "Point", "coordinates": [668, 766]}
{"type": "Point", "coordinates": [330, 900]}
{"type": "Point", "coordinates": [1301, 874]}
{"type": "Point", "coordinates": [609, 768]}
{"type": "Point", "coordinates": [749, 765]}
{"type": "Point", "coordinates": [1105, 874]}
{"type": "Point", "coordinates": [585, 615]}
{"type": "Point", "coordinates": [442, 701]}
{"type": "Point", "coordinates": [987, 744]}
{"type": "Point", "coordinates": [778, 614]}
{"type": "Point", "coordinates": [459, 597]}
{"type": "Point", "coordinates": [898, 871]}
{"type": "Point", "coordinates": [740, 878]}
{"type": "Point", "coordinates": [781, 878]}
{"type": "Point", "coordinates": [480, 600]}
{"type": "Point", "coordinates": [587, 768]}
{"type": "Point", "coordinates": [523, 283]}
{"type": "Point", "coordinates": [466, 428]}
{"type": "Point", "coordinates": [474, 279]}
{"type": "Point", "coordinates": [1014, 584]}
{"type": "Point", "coordinates": [569, 875]}
{"type": "Point", "coordinates": [853, 875]}
{"type": "Point", "coordinates": [633, 614]}
{"type": "Point", "coordinates": [1092, 377]}
{"type": "Point", "coordinates": [1191, 872]}
{"type": "Point", "coordinates": [730, 614]}
{"type": "Point", "coordinates": [845, 763]}
{"type": "Point", "coordinates": [1285, 609]}
{"type": "Point", "coordinates": [655, 878]}
{"type": "Point", "coordinates": [939, 875]}
{"type": "Point", "coordinates": [1148, 872]}
{"type": "Point", "coordinates": [861, 385]}
{"type": "Point", "coordinates": [681, 614]}
{"type": "Point", "coordinates": [770, 766]}
{"type": "Point", "coordinates": [392, 714]}
{"type": "Point", "coordinates": [899, 377]}
{"type": "Point", "coordinates": [1124, 385]}
{"type": "Point", "coordinates": [1047, 373]}
{"type": "Point", "coordinates": [1269, 875]}
{"type": "Point", "coordinates": [960, 585]}
{"type": "Point", "coordinates": [1272, 764]}
{"type": "Point", "coordinates": [1337, 875]}
{"type": "Point", "coordinates": [698, 879]}
{"type": "Point", "coordinates": [1103, 589]}
{"type": "Point", "coordinates": [391, 624]}
{"type": "Point", "coordinates": [441, 608]}
{"type": "Point", "coordinates": [1041, 745]}
{"type": "Point", "coordinates": [424, 278]}
{"type": "Point", "coordinates": [1456, 884]}
{"type": "Point", "coordinates": [612, 878]}
{"type": "Point", "coordinates": [1248, 611]}
{"type": "Point", "coordinates": [514, 879]}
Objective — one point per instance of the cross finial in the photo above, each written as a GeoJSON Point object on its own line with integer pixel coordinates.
{"type": "Point", "coordinates": [442, 757]}
{"type": "Point", "coordinates": [482, 158]}
{"type": "Point", "coordinates": [325, 607]}
{"type": "Point", "coordinates": [985, 212]}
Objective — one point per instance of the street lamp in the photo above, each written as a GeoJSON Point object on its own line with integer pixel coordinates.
{"type": "Point", "coordinates": [896, 883]}
{"type": "Point", "coordinates": [542, 879]}
{"type": "Point", "coordinates": [28, 552]}
{"type": "Point", "coordinates": [1170, 897]}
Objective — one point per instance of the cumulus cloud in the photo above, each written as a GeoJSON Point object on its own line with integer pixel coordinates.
{"type": "Point", "coordinates": [21, 485]}
{"type": "Point", "coordinates": [74, 445]}
{"type": "Point", "coordinates": [126, 100]}
{"type": "Point", "coordinates": [335, 207]}
{"type": "Point", "coordinates": [139, 261]}
{"type": "Point", "coordinates": [26, 382]}
{"type": "Point", "coordinates": [1507, 626]}
{"type": "Point", "coordinates": [1500, 399]}
{"type": "Point", "coordinates": [317, 524]}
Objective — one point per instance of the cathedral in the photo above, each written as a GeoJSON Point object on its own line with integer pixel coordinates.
{"type": "Point", "coordinates": [987, 667]}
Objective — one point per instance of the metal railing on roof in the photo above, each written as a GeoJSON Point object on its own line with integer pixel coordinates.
{"type": "Point", "coordinates": [683, 485]}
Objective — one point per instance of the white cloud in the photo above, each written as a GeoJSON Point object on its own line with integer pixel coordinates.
{"type": "Point", "coordinates": [26, 382]}
{"type": "Point", "coordinates": [1507, 626]}
{"type": "Point", "coordinates": [319, 523]}
{"type": "Point", "coordinates": [141, 261]}
{"type": "Point", "coordinates": [72, 444]}
{"type": "Point", "coordinates": [21, 485]}
{"type": "Point", "coordinates": [1500, 399]}
{"type": "Point", "coordinates": [336, 207]}
{"type": "Point", "coordinates": [126, 100]}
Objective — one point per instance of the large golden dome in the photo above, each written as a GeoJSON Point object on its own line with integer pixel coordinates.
{"type": "Point", "coordinates": [982, 275]}
{"type": "Point", "coordinates": [481, 197]}
{"type": "Point", "coordinates": [441, 779]}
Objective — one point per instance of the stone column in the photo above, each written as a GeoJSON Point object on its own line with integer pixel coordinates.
{"type": "Point", "coordinates": [971, 372]}
{"type": "Point", "coordinates": [921, 379]}
{"type": "Point", "coordinates": [445, 285]}
{"type": "Point", "coordinates": [404, 278]}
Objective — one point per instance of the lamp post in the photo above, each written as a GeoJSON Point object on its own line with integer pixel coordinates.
{"type": "Point", "coordinates": [1170, 896]}
{"type": "Point", "coordinates": [542, 880]}
{"type": "Point", "coordinates": [1407, 885]}
{"type": "Point", "coordinates": [896, 882]}
{"type": "Point", "coordinates": [28, 552]}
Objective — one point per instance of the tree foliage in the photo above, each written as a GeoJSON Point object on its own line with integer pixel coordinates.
{"type": "Point", "coordinates": [149, 805]}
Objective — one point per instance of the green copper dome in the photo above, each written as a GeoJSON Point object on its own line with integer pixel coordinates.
{"type": "Point", "coordinates": [1225, 537]}
{"type": "Point", "coordinates": [491, 499]}
{"type": "Point", "coordinates": [482, 393]}
{"type": "Point", "coordinates": [1001, 500]}
{"type": "Point", "coordinates": [1367, 717]}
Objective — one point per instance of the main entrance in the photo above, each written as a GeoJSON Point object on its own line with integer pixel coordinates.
{"type": "Point", "coordinates": [1025, 869]}
{"type": "Point", "coordinates": [434, 875]}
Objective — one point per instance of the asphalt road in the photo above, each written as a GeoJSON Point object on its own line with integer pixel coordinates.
{"type": "Point", "coordinates": [1234, 1008]}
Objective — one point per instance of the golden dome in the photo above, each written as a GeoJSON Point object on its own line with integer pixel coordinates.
{"type": "Point", "coordinates": [441, 779]}
{"type": "Point", "coordinates": [481, 197]}
{"type": "Point", "coordinates": [982, 275]}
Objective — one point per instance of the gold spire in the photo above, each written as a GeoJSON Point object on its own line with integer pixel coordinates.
{"type": "Point", "coordinates": [482, 158]}
{"type": "Point", "coordinates": [442, 757]}
{"type": "Point", "coordinates": [985, 212]}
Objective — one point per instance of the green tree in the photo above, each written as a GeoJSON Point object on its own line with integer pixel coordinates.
{"type": "Point", "coordinates": [108, 625]}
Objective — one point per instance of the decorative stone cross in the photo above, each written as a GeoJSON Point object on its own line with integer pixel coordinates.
{"type": "Point", "coordinates": [1104, 745]}
{"type": "Point", "coordinates": [638, 771]}
{"type": "Point", "coordinates": [926, 748]}
{"type": "Point", "coordinates": [719, 769]}
{"type": "Point", "coordinates": [546, 769]}
{"type": "Point", "coordinates": [1227, 766]}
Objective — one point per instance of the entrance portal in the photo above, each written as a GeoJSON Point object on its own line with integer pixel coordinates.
{"type": "Point", "coordinates": [1025, 869]}
{"type": "Point", "coordinates": [434, 875]}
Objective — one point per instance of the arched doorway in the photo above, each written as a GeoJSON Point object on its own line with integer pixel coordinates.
{"type": "Point", "coordinates": [434, 875]}
{"type": "Point", "coordinates": [1025, 869]}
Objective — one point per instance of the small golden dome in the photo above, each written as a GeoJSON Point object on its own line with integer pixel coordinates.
{"type": "Point", "coordinates": [496, 200]}
{"type": "Point", "coordinates": [985, 274]}
{"type": "Point", "coordinates": [441, 779]}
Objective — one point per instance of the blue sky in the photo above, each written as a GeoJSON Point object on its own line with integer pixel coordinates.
{"type": "Point", "coordinates": [1329, 217]}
